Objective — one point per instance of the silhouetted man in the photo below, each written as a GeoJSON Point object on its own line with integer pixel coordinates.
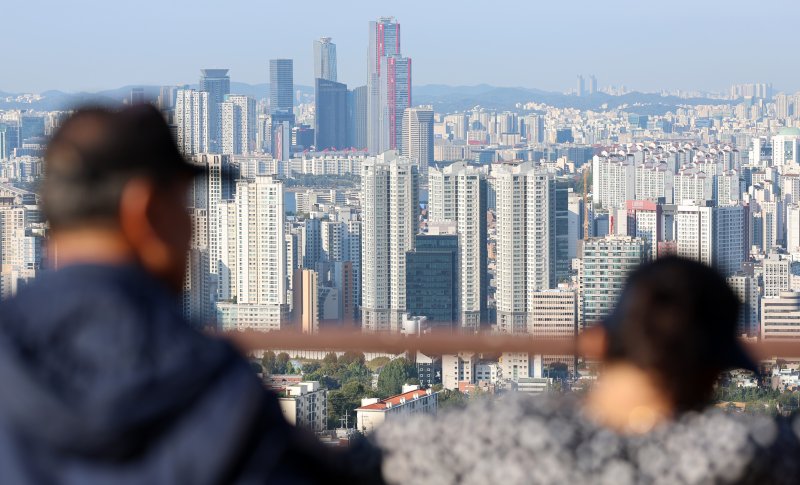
{"type": "Point", "coordinates": [102, 379]}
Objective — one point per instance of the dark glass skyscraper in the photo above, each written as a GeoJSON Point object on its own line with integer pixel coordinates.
{"type": "Point", "coordinates": [357, 118]}
{"type": "Point", "coordinates": [281, 85]}
{"type": "Point", "coordinates": [558, 220]}
{"type": "Point", "coordinates": [217, 84]}
{"type": "Point", "coordinates": [330, 120]}
{"type": "Point", "coordinates": [432, 280]}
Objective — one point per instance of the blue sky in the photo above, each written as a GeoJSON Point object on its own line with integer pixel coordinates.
{"type": "Point", "coordinates": [646, 45]}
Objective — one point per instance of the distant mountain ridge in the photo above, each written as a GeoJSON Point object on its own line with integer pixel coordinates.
{"type": "Point", "coordinates": [442, 97]}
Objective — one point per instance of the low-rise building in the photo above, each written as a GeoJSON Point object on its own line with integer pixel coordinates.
{"type": "Point", "coordinates": [374, 412]}
{"type": "Point", "coordinates": [305, 404]}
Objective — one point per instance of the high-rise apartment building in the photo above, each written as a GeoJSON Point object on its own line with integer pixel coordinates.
{"type": "Point", "coordinates": [613, 181]}
{"type": "Point", "coordinates": [780, 316]}
{"type": "Point", "coordinates": [325, 59]}
{"type": "Point", "coordinates": [217, 84]}
{"type": "Point", "coordinates": [523, 242]}
{"type": "Point", "coordinates": [330, 115]}
{"type": "Point", "coordinates": [712, 235]}
{"type": "Point", "coordinates": [388, 86]}
{"type": "Point", "coordinates": [459, 193]}
{"type": "Point", "coordinates": [390, 205]}
{"type": "Point", "coordinates": [281, 86]}
{"type": "Point", "coordinates": [192, 119]}
{"type": "Point", "coordinates": [238, 115]}
{"type": "Point", "coordinates": [746, 289]}
{"type": "Point", "coordinates": [261, 295]}
{"type": "Point", "coordinates": [418, 138]}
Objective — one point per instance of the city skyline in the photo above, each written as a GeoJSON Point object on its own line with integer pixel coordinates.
{"type": "Point", "coordinates": [131, 57]}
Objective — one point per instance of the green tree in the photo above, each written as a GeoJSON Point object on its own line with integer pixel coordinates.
{"type": "Point", "coordinates": [281, 361]}
{"type": "Point", "coordinates": [343, 402]}
{"type": "Point", "coordinates": [377, 363]}
{"type": "Point", "coordinates": [349, 357]}
{"type": "Point", "coordinates": [268, 362]}
{"type": "Point", "coordinates": [452, 399]}
{"type": "Point", "coordinates": [394, 375]}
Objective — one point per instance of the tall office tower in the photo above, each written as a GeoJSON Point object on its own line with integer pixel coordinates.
{"type": "Point", "coordinates": [523, 242]}
{"type": "Point", "coordinates": [167, 97]}
{"type": "Point", "coordinates": [654, 180]}
{"type": "Point", "coordinates": [30, 126]}
{"type": "Point", "coordinates": [357, 118]}
{"type": "Point", "coordinates": [558, 230]}
{"type": "Point", "coordinates": [390, 201]}
{"type": "Point", "coordinates": [746, 289]}
{"type": "Point", "coordinates": [592, 85]}
{"type": "Point", "coordinates": [712, 235]}
{"type": "Point", "coordinates": [693, 186]}
{"type": "Point", "coordinates": [613, 181]}
{"type": "Point", "coordinates": [418, 138]}
{"type": "Point", "coordinates": [238, 114]}
{"type": "Point", "coordinates": [325, 59]}
{"type": "Point", "coordinates": [388, 86]}
{"type": "Point", "coordinates": [786, 147]}
{"type": "Point", "coordinates": [459, 193]}
{"type": "Point", "coordinates": [581, 88]}
{"type": "Point", "coordinates": [330, 115]}
{"type": "Point", "coordinates": [261, 259]}
{"type": "Point", "coordinates": [192, 121]}
{"type": "Point", "coordinates": [281, 86]}
{"type": "Point", "coordinates": [432, 280]}
{"type": "Point", "coordinates": [606, 263]}
{"type": "Point", "coordinates": [217, 84]}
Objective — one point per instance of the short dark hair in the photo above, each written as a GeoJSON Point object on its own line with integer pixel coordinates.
{"type": "Point", "coordinates": [95, 153]}
{"type": "Point", "coordinates": [677, 318]}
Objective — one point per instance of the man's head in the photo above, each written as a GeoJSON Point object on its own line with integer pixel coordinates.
{"type": "Point", "coordinates": [677, 319]}
{"type": "Point", "coordinates": [115, 191]}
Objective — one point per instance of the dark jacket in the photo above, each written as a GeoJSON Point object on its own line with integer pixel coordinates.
{"type": "Point", "coordinates": [103, 381]}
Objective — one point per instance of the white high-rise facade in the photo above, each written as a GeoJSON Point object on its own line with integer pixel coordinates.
{"type": "Point", "coordinates": [523, 261]}
{"type": "Point", "coordinates": [613, 181]}
{"type": "Point", "coordinates": [238, 124]}
{"type": "Point", "coordinates": [192, 121]}
{"type": "Point", "coordinates": [712, 235]}
{"type": "Point", "coordinates": [390, 205]}
{"type": "Point", "coordinates": [418, 138]}
{"type": "Point", "coordinates": [261, 257]}
{"type": "Point", "coordinates": [458, 194]}
{"type": "Point", "coordinates": [654, 181]}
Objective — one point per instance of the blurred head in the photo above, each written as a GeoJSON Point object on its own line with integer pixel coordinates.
{"type": "Point", "coordinates": [115, 182]}
{"type": "Point", "coordinates": [677, 320]}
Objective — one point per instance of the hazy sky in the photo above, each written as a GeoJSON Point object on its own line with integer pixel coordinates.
{"type": "Point", "coordinates": [644, 44]}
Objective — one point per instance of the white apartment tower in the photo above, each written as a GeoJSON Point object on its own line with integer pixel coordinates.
{"type": "Point", "coordinates": [418, 138]}
{"type": "Point", "coordinates": [712, 235]}
{"type": "Point", "coordinates": [238, 124]}
{"type": "Point", "coordinates": [261, 256]}
{"type": "Point", "coordinates": [191, 120]}
{"type": "Point", "coordinates": [523, 256]}
{"type": "Point", "coordinates": [390, 205]}
{"type": "Point", "coordinates": [458, 194]}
